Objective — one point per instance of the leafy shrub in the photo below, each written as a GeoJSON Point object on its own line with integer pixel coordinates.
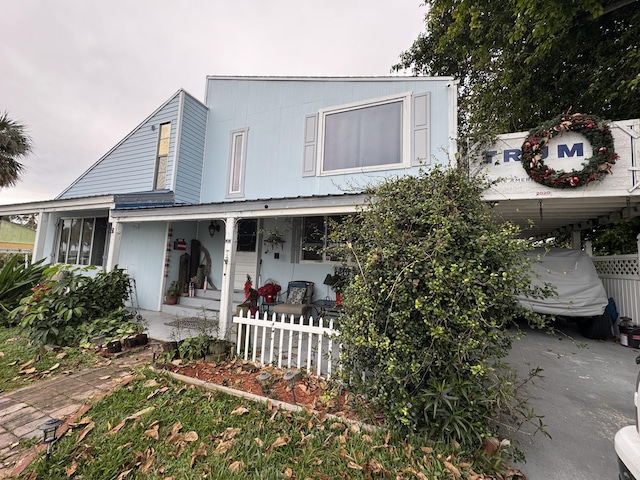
{"type": "Point", "coordinates": [108, 292]}
{"type": "Point", "coordinates": [117, 324]}
{"type": "Point", "coordinates": [193, 348]}
{"type": "Point", "coordinates": [16, 280]}
{"type": "Point", "coordinates": [424, 317]}
{"type": "Point", "coordinates": [67, 299]}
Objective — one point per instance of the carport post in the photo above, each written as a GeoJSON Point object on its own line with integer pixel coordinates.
{"type": "Point", "coordinates": [576, 243]}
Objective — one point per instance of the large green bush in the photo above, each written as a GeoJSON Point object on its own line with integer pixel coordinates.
{"type": "Point", "coordinates": [425, 315]}
{"type": "Point", "coordinates": [59, 306]}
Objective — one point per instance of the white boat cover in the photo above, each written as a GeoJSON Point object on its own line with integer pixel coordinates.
{"type": "Point", "coordinates": [580, 292]}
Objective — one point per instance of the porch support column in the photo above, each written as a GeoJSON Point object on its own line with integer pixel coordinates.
{"type": "Point", "coordinates": [228, 274]}
{"type": "Point", "coordinates": [41, 236]}
{"type": "Point", "coordinates": [115, 238]}
{"type": "Point", "coordinates": [576, 243]}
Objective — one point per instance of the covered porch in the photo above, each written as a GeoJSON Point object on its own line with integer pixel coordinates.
{"type": "Point", "coordinates": [228, 249]}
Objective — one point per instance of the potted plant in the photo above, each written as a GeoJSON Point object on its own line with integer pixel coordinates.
{"type": "Point", "coordinates": [173, 292]}
{"type": "Point", "coordinates": [269, 291]}
{"type": "Point", "coordinates": [338, 281]}
{"type": "Point", "coordinates": [273, 239]}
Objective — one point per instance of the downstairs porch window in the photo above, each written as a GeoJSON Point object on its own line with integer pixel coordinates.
{"type": "Point", "coordinates": [82, 241]}
{"type": "Point", "coordinates": [316, 244]}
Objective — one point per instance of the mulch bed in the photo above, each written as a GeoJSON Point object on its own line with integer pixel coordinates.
{"type": "Point", "coordinates": [311, 392]}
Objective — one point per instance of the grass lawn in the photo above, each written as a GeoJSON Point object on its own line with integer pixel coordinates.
{"type": "Point", "coordinates": [158, 428]}
{"type": "Point", "coordinates": [22, 364]}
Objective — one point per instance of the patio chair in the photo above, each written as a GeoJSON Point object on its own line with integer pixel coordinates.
{"type": "Point", "coordinates": [298, 298]}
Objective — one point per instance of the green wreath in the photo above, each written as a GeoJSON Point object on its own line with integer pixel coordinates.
{"type": "Point", "coordinates": [593, 128]}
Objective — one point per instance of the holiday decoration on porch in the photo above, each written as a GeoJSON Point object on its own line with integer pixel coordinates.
{"type": "Point", "coordinates": [250, 305]}
{"type": "Point", "coordinates": [593, 128]}
{"type": "Point", "coordinates": [248, 286]}
{"type": "Point", "coordinates": [269, 291]}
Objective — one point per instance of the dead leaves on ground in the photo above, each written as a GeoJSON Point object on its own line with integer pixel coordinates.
{"type": "Point", "coordinates": [306, 444]}
{"type": "Point", "coordinates": [133, 417]}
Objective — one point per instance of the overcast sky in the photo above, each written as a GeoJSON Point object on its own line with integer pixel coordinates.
{"type": "Point", "coordinates": [82, 74]}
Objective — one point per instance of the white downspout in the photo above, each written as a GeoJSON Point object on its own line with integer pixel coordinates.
{"type": "Point", "coordinates": [115, 238]}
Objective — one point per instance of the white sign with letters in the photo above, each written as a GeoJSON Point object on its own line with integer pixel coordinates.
{"type": "Point", "coordinates": [567, 152]}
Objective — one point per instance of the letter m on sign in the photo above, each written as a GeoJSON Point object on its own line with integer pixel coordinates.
{"type": "Point", "coordinates": [576, 150]}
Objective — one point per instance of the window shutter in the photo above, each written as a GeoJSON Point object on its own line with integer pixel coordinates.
{"type": "Point", "coordinates": [296, 239]}
{"type": "Point", "coordinates": [310, 139]}
{"type": "Point", "coordinates": [420, 134]}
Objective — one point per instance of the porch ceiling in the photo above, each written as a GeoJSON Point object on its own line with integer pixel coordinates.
{"type": "Point", "coordinates": [546, 217]}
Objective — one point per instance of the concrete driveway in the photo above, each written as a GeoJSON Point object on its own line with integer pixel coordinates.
{"type": "Point", "coordinates": [586, 395]}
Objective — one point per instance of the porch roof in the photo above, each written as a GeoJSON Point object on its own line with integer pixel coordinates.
{"type": "Point", "coordinates": [260, 208]}
{"type": "Point", "coordinates": [537, 217]}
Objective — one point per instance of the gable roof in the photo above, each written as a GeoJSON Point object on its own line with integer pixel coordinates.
{"type": "Point", "coordinates": [129, 135]}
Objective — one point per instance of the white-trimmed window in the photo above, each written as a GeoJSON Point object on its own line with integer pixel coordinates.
{"type": "Point", "coordinates": [315, 239]}
{"type": "Point", "coordinates": [365, 136]}
{"type": "Point", "coordinates": [162, 157]}
{"type": "Point", "coordinates": [82, 241]}
{"type": "Point", "coordinates": [237, 159]}
{"type": "Point", "coordinates": [379, 134]}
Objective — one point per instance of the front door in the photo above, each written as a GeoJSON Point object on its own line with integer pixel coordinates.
{"type": "Point", "coordinates": [246, 254]}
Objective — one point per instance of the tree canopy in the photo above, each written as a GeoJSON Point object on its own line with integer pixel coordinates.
{"type": "Point", "coordinates": [14, 144]}
{"type": "Point", "coordinates": [520, 62]}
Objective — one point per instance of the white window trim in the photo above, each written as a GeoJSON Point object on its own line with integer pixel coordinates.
{"type": "Point", "coordinates": [325, 241]}
{"type": "Point", "coordinates": [406, 133]}
{"type": "Point", "coordinates": [58, 239]}
{"type": "Point", "coordinates": [157, 166]}
{"type": "Point", "coordinates": [243, 162]}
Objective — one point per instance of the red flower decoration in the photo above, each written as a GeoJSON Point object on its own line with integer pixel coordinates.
{"type": "Point", "coordinates": [269, 290]}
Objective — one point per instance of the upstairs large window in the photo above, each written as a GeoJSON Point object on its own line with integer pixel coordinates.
{"type": "Point", "coordinates": [82, 241]}
{"type": "Point", "coordinates": [364, 137]}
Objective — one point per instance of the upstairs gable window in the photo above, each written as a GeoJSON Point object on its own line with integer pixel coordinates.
{"type": "Point", "coordinates": [162, 156]}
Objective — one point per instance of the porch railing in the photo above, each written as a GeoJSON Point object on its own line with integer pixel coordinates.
{"type": "Point", "coordinates": [286, 340]}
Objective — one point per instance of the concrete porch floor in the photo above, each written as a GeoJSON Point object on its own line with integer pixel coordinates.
{"type": "Point", "coordinates": [158, 328]}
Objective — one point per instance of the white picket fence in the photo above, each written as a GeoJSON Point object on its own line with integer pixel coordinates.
{"type": "Point", "coordinates": [285, 340]}
{"type": "Point", "coordinates": [620, 275]}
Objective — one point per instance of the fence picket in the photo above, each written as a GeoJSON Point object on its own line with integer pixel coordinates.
{"type": "Point", "coordinates": [302, 349]}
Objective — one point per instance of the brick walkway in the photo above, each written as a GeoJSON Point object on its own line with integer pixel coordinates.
{"type": "Point", "coordinates": [23, 411]}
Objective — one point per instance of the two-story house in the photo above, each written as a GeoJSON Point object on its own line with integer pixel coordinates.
{"type": "Point", "coordinates": [259, 156]}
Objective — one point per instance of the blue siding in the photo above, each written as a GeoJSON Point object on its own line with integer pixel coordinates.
{"type": "Point", "coordinates": [191, 151]}
{"type": "Point", "coordinates": [130, 166]}
{"type": "Point", "coordinates": [142, 253]}
{"type": "Point", "coordinates": [274, 111]}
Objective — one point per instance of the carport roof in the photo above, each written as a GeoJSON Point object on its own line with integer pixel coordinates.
{"type": "Point", "coordinates": [547, 217]}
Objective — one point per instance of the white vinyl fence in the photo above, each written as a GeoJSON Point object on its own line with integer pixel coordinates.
{"type": "Point", "coordinates": [620, 276]}
{"type": "Point", "coordinates": [284, 340]}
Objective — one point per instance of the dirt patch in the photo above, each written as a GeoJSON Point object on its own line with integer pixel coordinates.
{"type": "Point", "coordinates": [309, 391]}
